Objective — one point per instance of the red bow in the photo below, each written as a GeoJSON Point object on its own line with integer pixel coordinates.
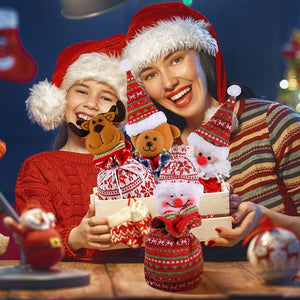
{"type": "Point", "coordinates": [265, 225]}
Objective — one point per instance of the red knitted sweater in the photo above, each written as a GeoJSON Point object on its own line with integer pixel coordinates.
{"type": "Point", "coordinates": [61, 182]}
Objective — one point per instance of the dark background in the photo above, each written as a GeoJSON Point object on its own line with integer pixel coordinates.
{"type": "Point", "coordinates": [251, 34]}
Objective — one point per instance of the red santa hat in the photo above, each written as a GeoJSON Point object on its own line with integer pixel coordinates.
{"type": "Point", "coordinates": [98, 60]}
{"type": "Point", "coordinates": [158, 29]}
{"type": "Point", "coordinates": [215, 133]}
{"type": "Point", "coordinates": [142, 114]}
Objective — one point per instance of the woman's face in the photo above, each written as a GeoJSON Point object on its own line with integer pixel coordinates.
{"type": "Point", "coordinates": [87, 99]}
{"type": "Point", "coordinates": [177, 82]}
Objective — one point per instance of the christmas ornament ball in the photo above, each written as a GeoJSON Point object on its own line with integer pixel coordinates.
{"type": "Point", "coordinates": [274, 255]}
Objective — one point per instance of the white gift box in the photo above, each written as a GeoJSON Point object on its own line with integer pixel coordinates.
{"type": "Point", "coordinates": [214, 209]}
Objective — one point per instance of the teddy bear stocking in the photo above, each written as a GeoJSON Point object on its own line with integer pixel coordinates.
{"type": "Point", "coordinates": [16, 65]}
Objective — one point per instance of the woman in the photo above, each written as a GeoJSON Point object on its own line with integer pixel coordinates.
{"type": "Point", "coordinates": [87, 81]}
{"type": "Point", "coordinates": [176, 56]}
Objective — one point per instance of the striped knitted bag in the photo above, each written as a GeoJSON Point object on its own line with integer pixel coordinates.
{"type": "Point", "coordinates": [173, 255]}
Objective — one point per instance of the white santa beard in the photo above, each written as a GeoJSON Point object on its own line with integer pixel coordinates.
{"type": "Point", "coordinates": [215, 170]}
{"type": "Point", "coordinates": [31, 221]}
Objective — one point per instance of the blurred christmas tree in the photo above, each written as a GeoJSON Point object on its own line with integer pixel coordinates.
{"type": "Point", "coordinates": [289, 88]}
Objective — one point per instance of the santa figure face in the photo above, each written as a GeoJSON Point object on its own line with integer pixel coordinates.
{"type": "Point", "coordinates": [37, 219]}
{"type": "Point", "coordinates": [209, 164]}
{"type": "Point", "coordinates": [173, 197]}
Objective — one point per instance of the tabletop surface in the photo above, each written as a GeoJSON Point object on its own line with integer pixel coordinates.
{"type": "Point", "coordinates": [221, 280]}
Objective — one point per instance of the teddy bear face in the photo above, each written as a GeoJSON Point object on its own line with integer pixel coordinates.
{"type": "Point", "coordinates": [152, 142]}
{"type": "Point", "coordinates": [103, 135]}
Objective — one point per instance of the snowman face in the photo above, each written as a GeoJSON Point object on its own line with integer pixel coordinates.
{"type": "Point", "coordinates": [175, 198]}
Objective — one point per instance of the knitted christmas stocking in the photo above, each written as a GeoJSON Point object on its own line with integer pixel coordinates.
{"type": "Point", "coordinates": [123, 230]}
{"type": "Point", "coordinates": [16, 65]}
{"type": "Point", "coordinates": [141, 217]}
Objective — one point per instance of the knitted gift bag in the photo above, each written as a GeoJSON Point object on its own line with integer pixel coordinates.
{"type": "Point", "coordinates": [122, 177]}
{"type": "Point", "coordinates": [173, 255]}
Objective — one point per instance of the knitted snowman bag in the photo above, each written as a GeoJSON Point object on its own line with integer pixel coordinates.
{"type": "Point", "coordinates": [173, 255]}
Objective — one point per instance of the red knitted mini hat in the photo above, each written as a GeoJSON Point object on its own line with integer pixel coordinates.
{"type": "Point", "coordinates": [214, 135]}
{"type": "Point", "coordinates": [161, 28]}
{"type": "Point", "coordinates": [142, 113]}
{"type": "Point", "coordinates": [98, 60]}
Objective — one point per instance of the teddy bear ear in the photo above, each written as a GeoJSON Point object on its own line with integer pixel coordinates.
{"type": "Point", "coordinates": [110, 116]}
{"type": "Point", "coordinates": [175, 131]}
{"type": "Point", "coordinates": [133, 139]}
{"type": "Point", "coordinates": [85, 125]}
{"type": "Point", "coordinates": [77, 131]}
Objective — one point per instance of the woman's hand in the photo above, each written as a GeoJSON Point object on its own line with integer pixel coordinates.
{"type": "Point", "coordinates": [246, 219]}
{"type": "Point", "coordinates": [234, 201]}
{"type": "Point", "coordinates": [92, 232]}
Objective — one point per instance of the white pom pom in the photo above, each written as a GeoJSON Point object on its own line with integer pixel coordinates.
{"type": "Point", "coordinates": [234, 90]}
{"type": "Point", "coordinates": [125, 65]}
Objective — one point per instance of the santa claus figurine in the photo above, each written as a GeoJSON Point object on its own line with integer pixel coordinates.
{"type": "Point", "coordinates": [209, 145]}
{"type": "Point", "coordinates": [40, 241]}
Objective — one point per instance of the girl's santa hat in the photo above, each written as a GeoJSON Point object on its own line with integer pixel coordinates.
{"type": "Point", "coordinates": [142, 114]}
{"type": "Point", "coordinates": [98, 60]}
{"type": "Point", "coordinates": [158, 29]}
{"type": "Point", "coordinates": [214, 135]}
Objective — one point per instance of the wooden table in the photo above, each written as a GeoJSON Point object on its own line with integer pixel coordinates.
{"type": "Point", "coordinates": [222, 280]}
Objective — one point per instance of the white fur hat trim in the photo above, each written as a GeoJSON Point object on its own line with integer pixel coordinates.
{"type": "Point", "coordinates": [177, 187]}
{"type": "Point", "coordinates": [198, 142]}
{"type": "Point", "coordinates": [46, 105]}
{"type": "Point", "coordinates": [166, 36]}
{"type": "Point", "coordinates": [147, 123]}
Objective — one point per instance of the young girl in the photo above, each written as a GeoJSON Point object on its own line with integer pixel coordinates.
{"type": "Point", "coordinates": [176, 55]}
{"type": "Point", "coordinates": [87, 81]}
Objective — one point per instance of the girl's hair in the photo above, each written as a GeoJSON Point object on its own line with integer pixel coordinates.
{"type": "Point", "coordinates": [61, 137]}
{"type": "Point", "coordinates": [209, 66]}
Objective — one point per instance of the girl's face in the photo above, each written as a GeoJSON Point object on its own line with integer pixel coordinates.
{"type": "Point", "coordinates": [87, 99]}
{"type": "Point", "coordinates": [177, 82]}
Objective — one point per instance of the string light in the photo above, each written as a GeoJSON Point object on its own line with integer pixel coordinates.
{"type": "Point", "coordinates": [284, 84]}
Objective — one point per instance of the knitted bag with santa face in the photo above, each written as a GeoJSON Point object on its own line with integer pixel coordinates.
{"type": "Point", "coordinates": [173, 255]}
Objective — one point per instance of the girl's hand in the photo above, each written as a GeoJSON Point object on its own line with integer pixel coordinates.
{"type": "Point", "coordinates": [92, 232]}
{"type": "Point", "coordinates": [246, 219]}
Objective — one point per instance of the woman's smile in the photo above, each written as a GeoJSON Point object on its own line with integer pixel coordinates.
{"type": "Point", "coordinates": [181, 97]}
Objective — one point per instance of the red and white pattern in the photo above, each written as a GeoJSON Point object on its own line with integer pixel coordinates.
{"type": "Point", "coordinates": [128, 234]}
{"type": "Point", "coordinates": [122, 179]}
{"type": "Point", "coordinates": [275, 254]}
{"type": "Point", "coordinates": [130, 225]}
